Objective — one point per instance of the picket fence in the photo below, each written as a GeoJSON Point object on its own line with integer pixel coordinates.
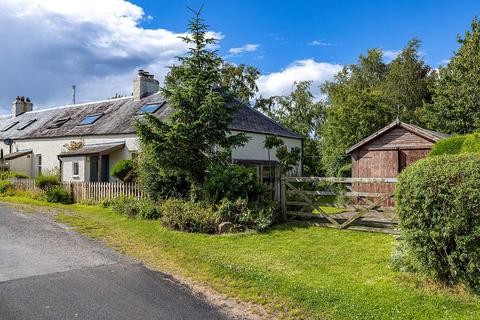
{"type": "Point", "coordinates": [87, 191]}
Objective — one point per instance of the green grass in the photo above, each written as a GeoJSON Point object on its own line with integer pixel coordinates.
{"type": "Point", "coordinates": [294, 272]}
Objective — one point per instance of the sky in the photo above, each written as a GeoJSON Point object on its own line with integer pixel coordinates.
{"type": "Point", "coordinates": [49, 45]}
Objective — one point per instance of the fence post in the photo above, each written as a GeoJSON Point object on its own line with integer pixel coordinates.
{"type": "Point", "coordinates": [283, 197]}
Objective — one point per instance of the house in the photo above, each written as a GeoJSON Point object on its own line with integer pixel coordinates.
{"type": "Point", "coordinates": [388, 151]}
{"type": "Point", "coordinates": [84, 141]}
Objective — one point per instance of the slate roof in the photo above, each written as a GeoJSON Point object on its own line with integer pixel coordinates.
{"type": "Point", "coordinates": [118, 116]}
{"type": "Point", "coordinates": [430, 135]}
{"type": "Point", "coordinates": [94, 149]}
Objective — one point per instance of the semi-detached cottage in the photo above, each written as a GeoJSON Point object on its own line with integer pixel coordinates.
{"type": "Point", "coordinates": [35, 141]}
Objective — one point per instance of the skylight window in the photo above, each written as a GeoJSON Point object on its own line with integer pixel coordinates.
{"type": "Point", "coordinates": [29, 122]}
{"type": "Point", "coordinates": [58, 123]}
{"type": "Point", "coordinates": [11, 125]}
{"type": "Point", "coordinates": [150, 108]}
{"type": "Point", "coordinates": [90, 119]}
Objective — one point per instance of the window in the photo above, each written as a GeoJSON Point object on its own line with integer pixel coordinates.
{"type": "Point", "coordinates": [58, 123]}
{"type": "Point", "coordinates": [11, 125]}
{"type": "Point", "coordinates": [39, 164]}
{"type": "Point", "coordinates": [75, 169]}
{"type": "Point", "coordinates": [90, 119]}
{"type": "Point", "coordinates": [29, 122]}
{"type": "Point", "coordinates": [150, 108]}
{"type": "Point", "coordinates": [133, 155]}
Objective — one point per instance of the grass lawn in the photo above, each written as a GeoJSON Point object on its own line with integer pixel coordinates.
{"type": "Point", "coordinates": [294, 272]}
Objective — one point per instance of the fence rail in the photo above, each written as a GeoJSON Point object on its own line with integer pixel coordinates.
{"type": "Point", "coordinates": [298, 200]}
{"type": "Point", "coordinates": [87, 191]}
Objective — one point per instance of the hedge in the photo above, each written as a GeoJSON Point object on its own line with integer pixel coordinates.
{"type": "Point", "coordinates": [438, 203]}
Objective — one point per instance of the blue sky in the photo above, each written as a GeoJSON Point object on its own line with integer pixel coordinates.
{"type": "Point", "coordinates": [286, 30]}
{"type": "Point", "coordinates": [48, 45]}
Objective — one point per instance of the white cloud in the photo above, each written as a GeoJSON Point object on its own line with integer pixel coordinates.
{"type": "Point", "coordinates": [48, 45]}
{"type": "Point", "coordinates": [321, 43]}
{"type": "Point", "coordinates": [390, 55]}
{"type": "Point", "coordinates": [245, 48]}
{"type": "Point", "coordinates": [280, 83]}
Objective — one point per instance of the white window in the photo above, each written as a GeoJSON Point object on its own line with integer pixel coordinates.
{"type": "Point", "coordinates": [39, 164]}
{"type": "Point", "coordinates": [75, 169]}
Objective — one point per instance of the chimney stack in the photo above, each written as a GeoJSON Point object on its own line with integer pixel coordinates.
{"type": "Point", "coordinates": [144, 85]}
{"type": "Point", "coordinates": [21, 105]}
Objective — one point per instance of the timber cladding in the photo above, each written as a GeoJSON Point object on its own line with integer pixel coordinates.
{"type": "Point", "coordinates": [388, 151]}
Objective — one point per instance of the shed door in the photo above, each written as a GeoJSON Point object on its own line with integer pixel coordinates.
{"type": "Point", "coordinates": [410, 156]}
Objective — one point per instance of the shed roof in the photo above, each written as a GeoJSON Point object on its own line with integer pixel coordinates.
{"type": "Point", "coordinates": [17, 154]}
{"type": "Point", "coordinates": [94, 149]}
{"type": "Point", "coordinates": [117, 118]}
{"type": "Point", "coordinates": [430, 135]}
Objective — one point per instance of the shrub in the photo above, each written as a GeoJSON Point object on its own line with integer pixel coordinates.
{"type": "Point", "coordinates": [125, 171]}
{"type": "Point", "coordinates": [345, 171]}
{"type": "Point", "coordinates": [58, 194]}
{"type": "Point", "coordinates": [438, 203]}
{"type": "Point", "coordinates": [5, 185]}
{"type": "Point", "coordinates": [127, 206]}
{"type": "Point", "coordinates": [46, 181]}
{"type": "Point", "coordinates": [148, 209]}
{"type": "Point", "coordinates": [259, 215]}
{"type": "Point", "coordinates": [12, 174]}
{"type": "Point", "coordinates": [233, 182]}
{"type": "Point", "coordinates": [188, 216]}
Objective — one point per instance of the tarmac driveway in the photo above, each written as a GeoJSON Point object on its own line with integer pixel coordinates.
{"type": "Point", "coordinates": [48, 271]}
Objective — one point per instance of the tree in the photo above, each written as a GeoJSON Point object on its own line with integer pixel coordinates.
{"type": "Point", "coordinates": [241, 80]}
{"type": "Point", "coordinates": [203, 104]}
{"type": "Point", "coordinates": [288, 159]}
{"type": "Point", "coordinates": [356, 108]}
{"type": "Point", "coordinates": [300, 113]}
{"type": "Point", "coordinates": [409, 83]}
{"type": "Point", "coordinates": [366, 96]}
{"type": "Point", "coordinates": [456, 101]}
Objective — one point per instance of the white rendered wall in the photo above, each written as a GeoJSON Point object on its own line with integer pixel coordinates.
{"type": "Point", "coordinates": [50, 148]}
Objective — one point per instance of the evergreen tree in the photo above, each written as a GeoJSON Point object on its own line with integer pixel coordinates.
{"type": "Point", "coordinates": [196, 133]}
{"type": "Point", "coordinates": [456, 102]}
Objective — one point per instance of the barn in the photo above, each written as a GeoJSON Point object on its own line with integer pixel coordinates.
{"type": "Point", "coordinates": [388, 151]}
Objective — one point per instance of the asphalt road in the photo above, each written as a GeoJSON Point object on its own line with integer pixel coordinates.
{"type": "Point", "coordinates": [48, 271]}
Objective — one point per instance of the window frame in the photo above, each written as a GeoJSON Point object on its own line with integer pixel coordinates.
{"type": "Point", "coordinates": [75, 167]}
{"type": "Point", "coordinates": [97, 115]}
{"type": "Point", "coordinates": [10, 126]}
{"type": "Point", "coordinates": [141, 111]}
{"type": "Point", "coordinates": [27, 124]}
{"type": "Point", "coordinates": [58, 123]}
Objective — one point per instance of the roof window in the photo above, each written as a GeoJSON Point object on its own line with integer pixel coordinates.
{"type": "Point", "coordinates": [58, 123]}
{"type": "Point", "coordinates": [11, 125]}
{"type": "Point", "coordinates": [29, 122]}
{"type": "Point", "coordinates": [90, 119]}
{"type": "Point", "coordinates": [150, 108]}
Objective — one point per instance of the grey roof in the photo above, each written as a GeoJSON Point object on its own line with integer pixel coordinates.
{"type": "Point", "coordinates": [94, 149]}
{"type": "Point", "coordinates": [118, 116]}
{"type": "Point", "coordinates": [430, 135]}
{"type": "Point", "coordinates": [17, 154]}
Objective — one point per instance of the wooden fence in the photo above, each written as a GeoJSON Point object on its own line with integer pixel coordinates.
{"type": "Point", "coordinates": [308, 203]}
{"type": "Point", "coordinates": [87, 191]}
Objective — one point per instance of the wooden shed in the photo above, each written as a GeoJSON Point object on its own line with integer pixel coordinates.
{"type": "Point", "coordinates": [388, 151]}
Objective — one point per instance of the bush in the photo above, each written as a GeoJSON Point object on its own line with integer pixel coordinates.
{"type": "Point", "coordinates": [45, 182]}
{"type": "Point", "coordinates": [5, 185]}
{"type": "Point", "coordinates": [127, 206]}
{"type": "Point", "coordinates": [345, 171]}
{"type": "Point", "coordinates": [469, 143]}
{"type": "Point", "coordinates": [233, 182]}
{"type": "Point", "coordinates": [12, 174]}
{"type": "Point", "coordinates": [188, 216]}
{"type": "Point", "coordinates": [125, 171]}
{"type": "Point", "coordinates": [258, 215]}
{"type": "Point", "coordinates": [148, 209]}
{"type": "Point", "coordinates": [438, 203]}
{"type": "Point", "coordinates": [58, 194]}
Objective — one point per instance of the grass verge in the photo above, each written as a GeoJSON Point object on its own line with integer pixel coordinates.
{"type": "Point", "coordinates": [294, 272]}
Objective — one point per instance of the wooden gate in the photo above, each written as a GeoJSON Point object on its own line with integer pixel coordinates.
{"type": "Point", "coordinates": [298, 198]}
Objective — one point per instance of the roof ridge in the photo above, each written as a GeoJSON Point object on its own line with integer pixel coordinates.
{"type": "Point", "coordinates": [77, 105]}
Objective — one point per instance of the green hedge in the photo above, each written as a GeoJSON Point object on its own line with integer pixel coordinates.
{"type": "Point", "coordinates": [438, 203]}
{"type": "Point", "coordinates": [469, 143]}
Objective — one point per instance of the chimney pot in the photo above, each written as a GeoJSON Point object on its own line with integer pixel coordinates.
{"type": "Point", "coordinates": [21, 105]}
{"type": "Point", "coordinates": [144, 85]}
